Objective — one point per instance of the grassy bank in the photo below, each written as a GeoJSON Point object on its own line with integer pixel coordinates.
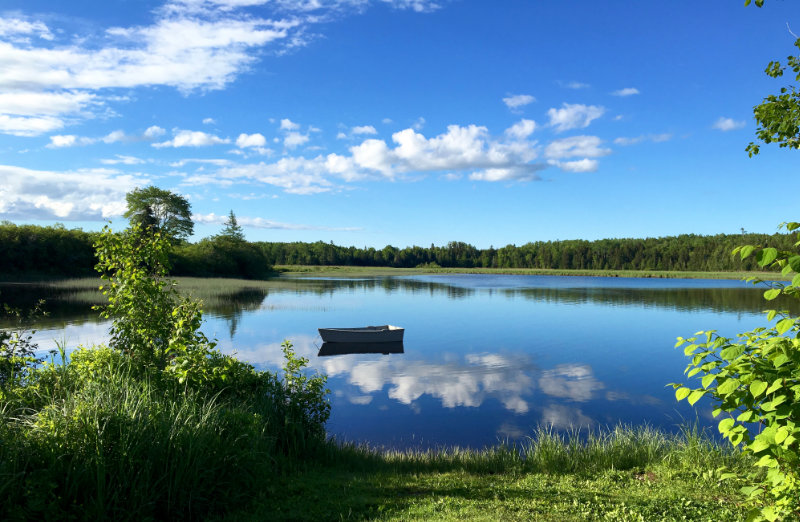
{"type": "Point", "coordinates": [367, 271]}
{"type": "Point", "coordinates": [622, 474]}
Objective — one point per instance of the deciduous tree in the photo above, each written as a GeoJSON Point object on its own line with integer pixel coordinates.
{"type": "Point", "coordinates": [163, 211]}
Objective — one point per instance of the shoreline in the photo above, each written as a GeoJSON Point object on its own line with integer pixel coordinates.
{"type": "Point", "coordinates": [366, 271]}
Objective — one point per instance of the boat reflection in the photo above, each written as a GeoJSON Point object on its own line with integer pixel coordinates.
{"type": "Point", "coordinates": [347, 348]}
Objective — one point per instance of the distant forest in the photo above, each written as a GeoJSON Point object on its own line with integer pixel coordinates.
{"type": "Point", "coordinates": [30, 250]}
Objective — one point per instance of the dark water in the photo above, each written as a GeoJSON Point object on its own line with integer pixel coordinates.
{"type": "Point", "coordinates": [484, 358]}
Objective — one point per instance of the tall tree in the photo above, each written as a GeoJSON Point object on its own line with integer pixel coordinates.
{"type": "Point", "coordinates": [232, 229]}
{"type": "Point", "coordinates": [161, 210]}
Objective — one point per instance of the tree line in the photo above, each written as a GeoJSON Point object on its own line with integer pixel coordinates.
{"type": "Point", "coordinates": [687, 252]}
{"type": "Point", "coordinates": [55, 251]}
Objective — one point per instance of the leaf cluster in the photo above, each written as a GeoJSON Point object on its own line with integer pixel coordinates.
{"type": "Point", "coordinates": [778, 115]}
{"type": "Point", "coordinates": [754, 381]}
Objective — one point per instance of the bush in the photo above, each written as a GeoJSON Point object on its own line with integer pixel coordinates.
{"type": "Point", "coordinates": [755, 381]}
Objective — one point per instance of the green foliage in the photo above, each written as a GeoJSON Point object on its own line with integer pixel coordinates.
{"type": "Point", "coordinates": [778, 115]}
{"type": "Point", "coordinates": [232, 230]}
{"type": "Point", "coordinates": [305, 396]}
{"type": "Point", "coordinates": [150, 323]}
{"type": "Point", "coordinates": [160, 424]}
{"type": "Point", "coordinates": [755, 382]}
{"type": "Point", "coordinates": [17, 352]}
{"type": "Point", "coordinates": [221, 256]}
{"type": "Point", "coordinates": [31, 250]}
{"type": "Point", "coordinates": [160, 210]}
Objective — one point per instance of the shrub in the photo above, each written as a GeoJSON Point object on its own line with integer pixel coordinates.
{"type": "Point", "coordinates": [755, 381]}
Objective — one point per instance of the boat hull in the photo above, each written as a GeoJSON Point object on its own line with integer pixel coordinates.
{"type": "Point", "coordinates": [329, 349]}
{"type": "Point", "coordinates": [368, 334]}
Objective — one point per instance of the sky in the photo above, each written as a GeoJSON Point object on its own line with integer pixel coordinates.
{"type": "Point", "coordinates": [402, 122]}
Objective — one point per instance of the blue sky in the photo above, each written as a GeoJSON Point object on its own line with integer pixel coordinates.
{"type": "Point", "coordinates": [374, 122]}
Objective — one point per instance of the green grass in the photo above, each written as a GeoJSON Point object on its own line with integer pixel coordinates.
{"type": "Point", "coordinates": [366, 271]}
{"type": "Point", "coordinates": [621, 474]}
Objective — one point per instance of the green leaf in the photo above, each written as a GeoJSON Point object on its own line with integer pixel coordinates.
{"type": "Point", "coordinates": [794, 262]}
{"type": "Point", "coordinates": [682, 393]}
{"type": "Point", "coordinates": [728, 386]}
{"type": "Point", "coordinates": [796, 280]}
{"type": "Point", "coordinates": [725, 425]}
{"type": "Point", "coordinates": [757, 387]}
{"type": "Point", "coordinates": [759, 445]}
{"type": "Point", "coordinates": [772, 313]}
{"type": "Point", "coordinates": [732, 352]}
{"type": "Point", "coordinates": [777, 383]}
{"type": "Point", "coordinates": [779, 361]}
{"type": "Point", "coordinates": [695, 396]}
{"type": "Point", "coordinates": [766, 256]}
{"type": "Point", "coordinates": [784, 326]}
{"type": "Point", "coordinates": [746, 416]}
{"type": "Point", "coordinates": [772, 293]}
{"type": "Point", "coordinates": [708, 379]}
{"type": "Point", "coordinates": [746, 250]}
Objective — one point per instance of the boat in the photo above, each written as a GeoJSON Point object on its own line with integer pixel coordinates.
{"type": "Point", "coordinates": [366, 334]}
{"type": "Point", "coordinates": [329, 349]}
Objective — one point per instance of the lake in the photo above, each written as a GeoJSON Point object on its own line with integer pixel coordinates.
{"type": "Point", "coordinates": [485, 357]}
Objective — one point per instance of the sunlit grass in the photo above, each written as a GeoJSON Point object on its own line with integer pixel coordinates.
{"type": "Point", "coordinates": [622, 473]}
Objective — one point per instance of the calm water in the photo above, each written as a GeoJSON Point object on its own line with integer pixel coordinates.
{"type": "Point", "coordinates": [485, 357]}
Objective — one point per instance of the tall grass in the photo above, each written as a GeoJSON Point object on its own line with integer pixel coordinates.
{"type": "Point", "coordinates": [549, 451]}
{"type": "Point", "coordinates": [109, 444]}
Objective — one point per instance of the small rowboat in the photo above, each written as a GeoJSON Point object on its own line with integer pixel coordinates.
{"type": "Point", "coordinates": [367, 334]}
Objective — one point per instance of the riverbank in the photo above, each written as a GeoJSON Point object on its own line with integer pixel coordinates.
{"type": "Point", "coordinates": [625, 474]}
{"type": "Point", "coordinates": [369, 271]}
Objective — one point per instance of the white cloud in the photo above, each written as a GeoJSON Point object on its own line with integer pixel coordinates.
{"type": "Point", "coordinates": [574, 116]}
{"type": "Point", "coordinates": [68, 140]}
{"type": "Point", "coordinates": [91, 194]}
{"type": "Point", "coordinates": [515, 101]}
{"type": "Point", "coordinates": [655, 138]}
{"type": "Point", "coordinates": [289, 125]}
{"type": "Point", "coordinates": [113, 137]}
{"type": "Point", "coordinates": [576, 146]}
{"type": "Point", "coordinates": [728, 124]}
{"type": "Point", "coordinates": [251, 140]}
{"type": "Point", "coordinates": [186, 138]}
{"type": "Point", "coordinates": [584, 165]}
{"type": "Point", "coordinates": [124, 160]}
{"type": "Point", "coordinates": [627, 91]}
{"type": "Point", "coordinates": [577, 85]}
{"type": "Point", "coordinates": [420, 6]}
{"type": "Point", "coordinates": [154, 131]}
{"type": "Point", "coordinates": [189, 45]}
{"type": "Point", "coordinates": [209, 121]}
{"type": "Point", "coordinates": [364, 129]}
{"type": "Point", "coordinates": [28, 125]}
{"type": "Point", "coordinates": [522, 129]}
{"type": "Point", "coordinates": [462, 151]}
{"type": "Point", "coordinates": [257, 222]}
{"type": "Point", "coordinates": [294, 139]}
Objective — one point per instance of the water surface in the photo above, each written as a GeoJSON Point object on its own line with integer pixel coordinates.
{"type": "Point", "coordinates": [485, 357]}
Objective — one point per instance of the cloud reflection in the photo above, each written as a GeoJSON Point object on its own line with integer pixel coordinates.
{"type": "Point", "coordinates": [459, 381]}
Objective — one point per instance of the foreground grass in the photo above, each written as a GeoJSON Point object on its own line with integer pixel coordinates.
{"type": "Point", "coordinates": [625, 474]}
{"type": "Point", "coordinates": [368, 271]}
